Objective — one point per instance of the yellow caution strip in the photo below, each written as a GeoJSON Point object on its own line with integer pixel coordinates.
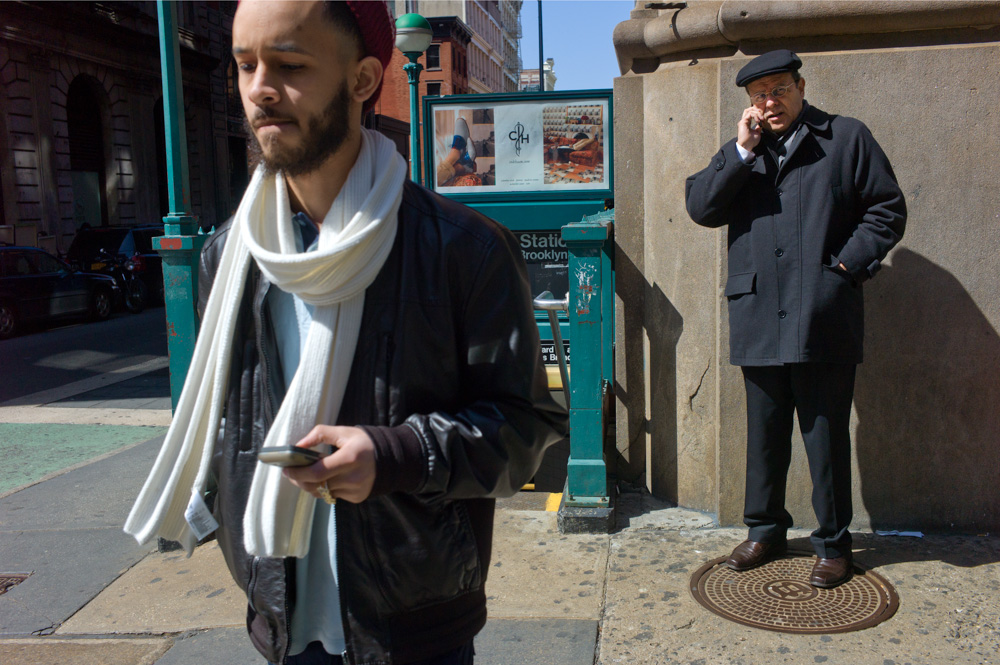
{"type": "Point", "coordinates": [554, 377]}
{"type": "Point", "coordinates": [552, 503]}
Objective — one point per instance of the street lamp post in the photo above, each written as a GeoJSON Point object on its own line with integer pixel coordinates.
{"type": "Point", "coordinates": [413, 36]}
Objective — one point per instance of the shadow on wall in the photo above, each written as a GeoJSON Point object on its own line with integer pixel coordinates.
{"type": "Point", "coordinates": [653, 313]}
{"type": "Point", "coordinates": [928, 401]}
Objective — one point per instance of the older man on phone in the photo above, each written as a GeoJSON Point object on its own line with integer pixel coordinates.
{"type": "Point", "coordinates": [812, 208]}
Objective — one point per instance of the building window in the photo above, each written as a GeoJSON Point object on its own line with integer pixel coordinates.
{"type": "Point", "coordinates": [434, 56]}
{"type": "Point", "coordinates": [434, 88]}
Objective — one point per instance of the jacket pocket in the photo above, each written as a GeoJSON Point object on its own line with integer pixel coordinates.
{"type": "Point", "coordinates": [741, 284]}
{"type": "Point", "coordinates": [425, 554]}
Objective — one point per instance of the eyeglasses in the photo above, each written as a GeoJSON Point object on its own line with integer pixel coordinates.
{"type": "Point", "coordinates": [777, 93]}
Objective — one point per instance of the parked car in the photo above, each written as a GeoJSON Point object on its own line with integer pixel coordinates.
{"type": "Point", "coordinates": [132, 243]}
{"type": "Point", "coordinates": [36, 286]}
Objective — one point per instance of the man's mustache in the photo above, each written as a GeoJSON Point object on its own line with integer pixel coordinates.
{"type": "Point", "coordinates": [264, 113]}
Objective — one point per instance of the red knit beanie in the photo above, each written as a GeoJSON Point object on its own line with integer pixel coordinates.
{"type": "Point", "coordinates": [378, 33]}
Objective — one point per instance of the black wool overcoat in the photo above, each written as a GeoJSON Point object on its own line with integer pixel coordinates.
{"type": "Point", "coordinates": [834, 200]}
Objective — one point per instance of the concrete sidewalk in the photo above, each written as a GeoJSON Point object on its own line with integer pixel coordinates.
{"type": "Point", "coordinates": [95, 597]}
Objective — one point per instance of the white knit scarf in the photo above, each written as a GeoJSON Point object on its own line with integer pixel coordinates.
{"type": "Point", "coordinates": [354, 240]}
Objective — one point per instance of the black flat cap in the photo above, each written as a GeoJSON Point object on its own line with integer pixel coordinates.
{"type": "Point", "coordinates": [771, 62]}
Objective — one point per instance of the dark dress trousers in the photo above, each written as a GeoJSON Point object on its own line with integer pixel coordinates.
{"type": "Point", "coordinates": [796, 318]}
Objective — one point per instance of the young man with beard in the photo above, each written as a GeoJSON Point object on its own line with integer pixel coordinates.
{"type": "Point", "coordinates": [345, 307]}
{"type": "Point", "coordinates": [812, 208]}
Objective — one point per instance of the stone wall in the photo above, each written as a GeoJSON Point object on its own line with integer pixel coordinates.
{"type": "Point", "coordinates": [926, 421]}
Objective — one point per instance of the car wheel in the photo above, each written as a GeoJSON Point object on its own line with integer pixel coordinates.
{"type": "Point", "coordinates": [8, 321]}
{"type": "Point", "coordinates": [101, 304]}
{"type": "Point", "coordinates": [135, 295]}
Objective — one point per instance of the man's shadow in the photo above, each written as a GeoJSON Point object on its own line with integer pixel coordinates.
{"type": "Point", "coordinates": [928, 402]}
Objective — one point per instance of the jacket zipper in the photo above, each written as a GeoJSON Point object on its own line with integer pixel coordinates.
{"type": "Point", "coordinates": [346, 656]}
{"type": "Point", "coordinates": [288, 615]}
{"type": "Point", "coordinates": [269, 406]}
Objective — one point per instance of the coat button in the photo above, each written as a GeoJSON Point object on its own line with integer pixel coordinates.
{"type": "Point", "coordinates": [778, 191]}
{"type": "Point", "coordinates": [782, 314]}
{"type": "Point", "coordinates": [779, 252]}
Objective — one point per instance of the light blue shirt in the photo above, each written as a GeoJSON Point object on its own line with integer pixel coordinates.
{"type": "Point", "coordinates": [316, 616]}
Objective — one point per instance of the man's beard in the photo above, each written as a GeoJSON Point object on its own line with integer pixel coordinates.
{"type": "Point", "coordinates": [322, 137]}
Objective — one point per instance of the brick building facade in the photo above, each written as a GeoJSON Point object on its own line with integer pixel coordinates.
{"type": "Point", "coordinates": [476, 49]}
{"type": "Point", "coordinates": [445, 72]}
{"type": "Point", "coordinates": [494, 59]}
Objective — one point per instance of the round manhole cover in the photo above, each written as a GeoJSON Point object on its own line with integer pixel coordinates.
{"type": "Point", "coordinates": [777, 596]}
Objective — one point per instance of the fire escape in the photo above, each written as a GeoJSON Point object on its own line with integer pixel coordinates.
{"type": "Point", "coordinates": [510, 24]}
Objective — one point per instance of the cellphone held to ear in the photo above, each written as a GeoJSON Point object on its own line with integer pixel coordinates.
{"type": "Point", "coordinates": [290, 455]}
{"type": "Point", "coordinates": [754, 124]}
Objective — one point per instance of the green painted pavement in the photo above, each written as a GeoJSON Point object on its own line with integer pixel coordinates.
{"type": "Point", "coordinates": [28, 453]}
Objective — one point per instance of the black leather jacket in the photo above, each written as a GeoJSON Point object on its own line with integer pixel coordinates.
{"type": "Point", "coordinates": [448, 381]}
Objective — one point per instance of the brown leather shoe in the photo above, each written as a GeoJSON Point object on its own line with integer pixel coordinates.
{"type": "Point", "coordinates": [828, 573]}
{"type": "Point", "coordinates": [751, 554]}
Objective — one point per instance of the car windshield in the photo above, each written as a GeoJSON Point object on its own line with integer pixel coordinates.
{"type": "Point", "coordinates": [144, 239]}
{"type": "Point", "coordinates": [46, 263]}
{"type": "Point", "coordinates": [88, 242]}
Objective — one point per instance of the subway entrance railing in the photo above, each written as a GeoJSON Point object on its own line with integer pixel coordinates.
{"type": "Point", "coordinates": [540, 164]}
{"type": "Point", "coordinates": [586, 504]}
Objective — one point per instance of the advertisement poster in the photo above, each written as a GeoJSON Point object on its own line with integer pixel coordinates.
{"type": "Point", "coordinates": [520, 147]}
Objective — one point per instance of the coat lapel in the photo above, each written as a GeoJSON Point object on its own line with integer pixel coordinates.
{"type": "Point", "coordinates": [813, 121]}
{"type": "Point", "coordinates": [803, 135]}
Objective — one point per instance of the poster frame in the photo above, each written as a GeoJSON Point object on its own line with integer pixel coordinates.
{"type": "Point", "coordinates": [564, 96]}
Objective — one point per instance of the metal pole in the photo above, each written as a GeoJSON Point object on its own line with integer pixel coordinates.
{"type": "Point", "coordinates": [541, 58]}
{"type": "Point", "coordinates": [413, 69]}
{"type": "Point", "coordinates": [174, 124]}
{"type": "Point", "coordinates": [180, 246]}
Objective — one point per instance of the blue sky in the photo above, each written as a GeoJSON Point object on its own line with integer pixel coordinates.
{"type": "Point", "coordinates": [577, 35]}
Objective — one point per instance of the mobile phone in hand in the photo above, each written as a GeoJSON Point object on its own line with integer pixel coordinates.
{"type": "Point", "coordinates": [289, 455]}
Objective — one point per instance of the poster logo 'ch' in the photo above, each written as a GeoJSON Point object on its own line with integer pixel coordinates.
{"type": "Point", "coordinates": [518, 136]}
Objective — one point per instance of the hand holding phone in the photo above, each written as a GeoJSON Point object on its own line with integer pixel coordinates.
{"type": "Point", "coordinates": [290, 455]}
{"type": "Point", "coordinates": [348, 473]}
{"type": "Point", "coordinates": [748, 129]}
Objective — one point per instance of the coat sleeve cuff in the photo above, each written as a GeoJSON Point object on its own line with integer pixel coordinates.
{"type": "Point", "coordinates": [399, 459]}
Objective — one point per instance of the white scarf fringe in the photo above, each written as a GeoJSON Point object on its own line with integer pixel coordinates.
{"type": "Point", "coordinates": [354, 240]}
